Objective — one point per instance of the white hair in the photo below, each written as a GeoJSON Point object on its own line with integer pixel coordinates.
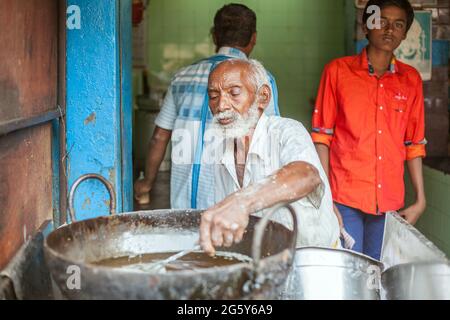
{"type": "Point", "coordinates": [257, 73]}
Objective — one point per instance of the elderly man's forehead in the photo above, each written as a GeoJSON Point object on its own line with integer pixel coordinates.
{"type": "Point", "coordinates": [230, 66]}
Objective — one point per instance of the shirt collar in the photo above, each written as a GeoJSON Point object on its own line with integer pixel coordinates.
{"type": "Point", "coordinates": [365, 63]}
{"type": "Point", "coordinates": [233, 52]}
{"type": "Point", "coordinates": [259, 142]}
{"type": "Point", "coordinates": [258, 146]}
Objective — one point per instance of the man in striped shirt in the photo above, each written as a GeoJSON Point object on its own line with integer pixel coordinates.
{"type": "Point", "coordinates": [185, 116]}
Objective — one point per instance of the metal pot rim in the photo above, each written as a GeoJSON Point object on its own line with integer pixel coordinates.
{"type": "Point", "coordinates": [354, 254]}
{"type": "Point", "coordinates": [230, 268]}
{"type": "Point", "coordinates": [418, 264]}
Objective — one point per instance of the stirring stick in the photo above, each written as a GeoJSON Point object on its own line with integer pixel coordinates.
{"type": "Point", "coordinates": [161, 264]}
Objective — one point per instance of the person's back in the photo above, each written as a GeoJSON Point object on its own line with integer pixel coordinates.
{"type": "Point", "coordinates": [185, 115]}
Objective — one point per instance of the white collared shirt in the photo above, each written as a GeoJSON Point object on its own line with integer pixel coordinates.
{"type": "Point", "coordinates": [276, 143]}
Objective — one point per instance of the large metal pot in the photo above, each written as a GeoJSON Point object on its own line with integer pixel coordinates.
{"type": "Point", "coordinates": [417, 281]}
{"type": "Point", "coordinates": [332, 274]}
{"type": "Point", "coordinates": [73, 249]}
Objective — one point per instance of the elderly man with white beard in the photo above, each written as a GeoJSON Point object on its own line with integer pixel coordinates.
{"type": "Point", "coordinates": [262, 161]}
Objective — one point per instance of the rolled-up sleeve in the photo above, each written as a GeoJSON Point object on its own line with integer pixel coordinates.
{"type": "Point", "coordinates": [325, 111]}
{"type": "Point", "coordinates": [296, 145]}
{"type": "Point", "coordinates": [415, 140]}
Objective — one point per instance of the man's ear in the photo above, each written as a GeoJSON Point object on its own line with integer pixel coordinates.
{"type": "Point", "coordinates": [249, 48]}
{"type": "Point", "coordinates": [253, 39]}
{"type": "Point", "coordinates": [213, 34]}
{"type": "Point", "coordinates": [264, 96]}
{"type": "Point", "coordinates": [365, 29]}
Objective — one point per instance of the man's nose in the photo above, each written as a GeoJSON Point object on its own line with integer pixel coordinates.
{"type": "Point", "coordinates": [389, 27]}
{"type": "Point", "coordinates": [223, 104]}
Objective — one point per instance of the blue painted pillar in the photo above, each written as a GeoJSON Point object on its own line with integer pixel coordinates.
{"type": "Point", "coordinates": [98, 101]}
{"type": "Point", "coordinates": [126, 62]}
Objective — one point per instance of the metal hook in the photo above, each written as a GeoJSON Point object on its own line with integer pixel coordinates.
{"type": "Point", "coordinates": [108, 185]}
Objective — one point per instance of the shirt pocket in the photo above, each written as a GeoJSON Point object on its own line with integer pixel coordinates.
{"type": "Point", "coordinates": [397, 110]}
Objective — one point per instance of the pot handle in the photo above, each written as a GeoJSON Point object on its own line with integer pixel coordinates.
{"type": "Point", "coordinates": [108, 185]}
{"type": "Point", "coordinates": [259, 233]}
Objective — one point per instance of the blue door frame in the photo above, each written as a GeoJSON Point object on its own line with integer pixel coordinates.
{"type": "Point", "coordinates": [98, 105]}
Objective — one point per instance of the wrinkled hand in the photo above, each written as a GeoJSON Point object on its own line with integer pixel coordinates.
{"type": "Point", "coordinates": [142, 191]}
{"type": "Point", "coordinates": [223, 225]}
{"type": "Point", "coordinates": [413, 213]}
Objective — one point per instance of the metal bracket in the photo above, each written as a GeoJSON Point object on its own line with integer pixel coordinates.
{"type": "Point", "coordinates": [26, 122]}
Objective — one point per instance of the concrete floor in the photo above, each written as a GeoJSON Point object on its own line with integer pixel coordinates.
{"type": "Point", "coordinates": [159, 195]}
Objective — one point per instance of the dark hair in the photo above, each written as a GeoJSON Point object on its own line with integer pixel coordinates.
{"type": "Point", "coordinates": [234, 25]}
{"type": "Point", "coordinates": [402, 4]}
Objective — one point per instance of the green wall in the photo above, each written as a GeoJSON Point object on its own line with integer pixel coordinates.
{"type": "Point", "coordinates": [435, 223]}
{"type": "Point", "coordinates": [296, 38]}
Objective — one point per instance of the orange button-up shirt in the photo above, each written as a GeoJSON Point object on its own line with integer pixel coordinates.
{"type": "Point", "coordinates": [371, 125]}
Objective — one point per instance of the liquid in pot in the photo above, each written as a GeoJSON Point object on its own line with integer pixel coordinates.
{"type": "Point", "coordinates": [191, 261]}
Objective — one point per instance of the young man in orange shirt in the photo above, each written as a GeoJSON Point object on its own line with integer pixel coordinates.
{"type": "Point", "coordinates": [369, 120]}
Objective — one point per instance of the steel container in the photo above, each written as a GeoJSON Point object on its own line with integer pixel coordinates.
{"type": "Point", "coordinates": [417, 281]}
{"type": "Point", "coordinates": [332, 274]}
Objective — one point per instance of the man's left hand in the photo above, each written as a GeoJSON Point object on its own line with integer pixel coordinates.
{"type": "Point", "coordinates": [224, 224]}
{"type": "Point", "coordinates": [413, 213]}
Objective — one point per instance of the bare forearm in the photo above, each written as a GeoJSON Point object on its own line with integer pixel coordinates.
{"type": "Point", "coordinates": [156, 152]}
{"type": "Point", "coordinates": [290, 183]}
{"type": "Point", "coordinates": [225, 223]}
{"type": "Point", "coordinates": [413, 213]}
{"type": "Point", "coordinates": [416, 174]}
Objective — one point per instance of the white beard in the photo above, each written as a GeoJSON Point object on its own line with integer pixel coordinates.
{"type": "Point", "coordinates": [240, 126]}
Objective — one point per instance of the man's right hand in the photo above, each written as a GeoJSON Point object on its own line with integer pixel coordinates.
{"type": "Point", "coordinates": [142, 191]}
{"type": "Point", "coordinates": [224, 224]}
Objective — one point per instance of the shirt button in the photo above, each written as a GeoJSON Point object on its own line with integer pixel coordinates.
{"type": "Point", "coordinates": [381, 107]}
{"type": "Point", "coordinates": [380, 158]}
{"type": "Point", "coordinates": [380, 132]}
{"type": "Point", "coordinates": [381, 85]}
{"type": "Point", "coordinates": [379, 186]}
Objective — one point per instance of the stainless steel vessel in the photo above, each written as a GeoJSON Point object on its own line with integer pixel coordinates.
{"type": "Point", "coordinates": [332, 274]}
{"type": "Point", "coordinates": [417, 281]}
